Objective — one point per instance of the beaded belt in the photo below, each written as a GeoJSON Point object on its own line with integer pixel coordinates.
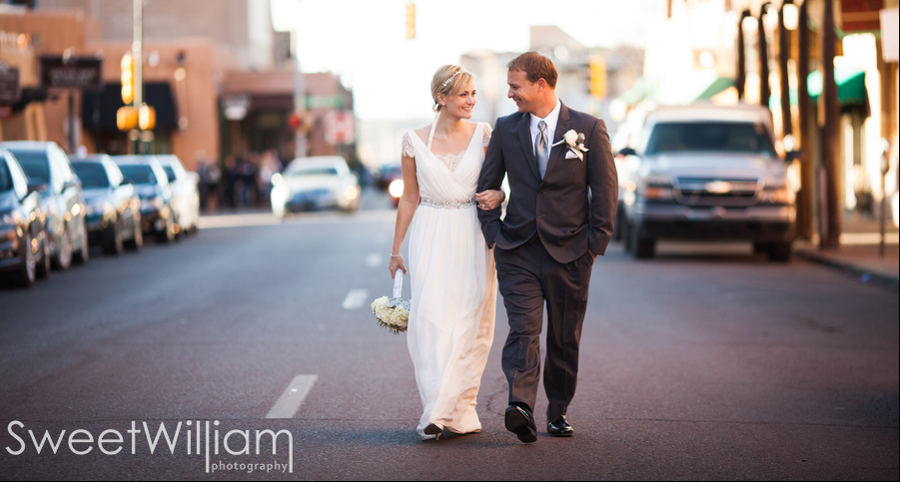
{"type": "Point", "coordinates": [449, 205]}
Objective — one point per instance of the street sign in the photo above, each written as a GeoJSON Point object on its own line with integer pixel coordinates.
{"type": "Point", "coordinates": [860, 15]}
{"type": "Point", "coordinates": [10, 90]}
{"type": "Point", "coordinates": [324, 102]}
{"type": "Point", "coordinates": [339, 127]}
{"type": "Point", "coordinates": [83, 73]}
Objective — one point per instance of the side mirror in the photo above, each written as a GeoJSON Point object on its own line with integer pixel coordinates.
{"type": "Point", "coordinates": [628, 151]}
{"type": "Point", "coordinates": [36, 185]}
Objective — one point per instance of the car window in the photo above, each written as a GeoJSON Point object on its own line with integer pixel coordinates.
{"type": "Point", "coordinates": [319, 171]}
{"type": "Point", "coordinates": [170, 173]}
{"type": "Point", "coordinates": [35, 164]}
{"type": "Point", "coordinates": [6, 182]}
{"type": "Point", "coordinates": [92, 174]}
{"type": "Point", "coordinates": [138, 174]}
{"type": "Point", "coordinates": [738, 137]}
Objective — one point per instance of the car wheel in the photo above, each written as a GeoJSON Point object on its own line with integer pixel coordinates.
{"type": "Point", "coordinates": [63, 260]}
{"type": "Point", "coordinates": [83, 253]}
{"type": "Point", "coordinates": [642, 247]}
{"type": "Point", "coordinates": [137, 240]}
{"type": "Point", "coordinates": [27, 272]}
{"type": "Point", "coordinates": [167, 235]}
{"type": "Point", "coordinates": [43, 267]}
{"type": "Point", "coordinates": [780, 252]}
{"type": "Point", "coordinates": [113, 244]}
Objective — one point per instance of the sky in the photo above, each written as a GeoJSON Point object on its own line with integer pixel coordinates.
{"type": "Point", "coordinates": [364, 40]}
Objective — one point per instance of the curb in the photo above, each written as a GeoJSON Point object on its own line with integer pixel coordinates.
{"type": "Point", "coordinates": [865, 275]}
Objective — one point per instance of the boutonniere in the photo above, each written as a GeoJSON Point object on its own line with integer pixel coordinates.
{"type": "Point", "coordinates": [575, 142]}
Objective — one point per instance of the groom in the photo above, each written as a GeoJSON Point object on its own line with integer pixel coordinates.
{"type": "Point", "coordinates": [559, 218]}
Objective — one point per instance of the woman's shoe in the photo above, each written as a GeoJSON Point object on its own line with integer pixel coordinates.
{"type": "Point", "coordinates": [435, 430]}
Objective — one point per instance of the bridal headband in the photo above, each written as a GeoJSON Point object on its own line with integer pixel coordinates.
{"type": "Point", "coordinates": [450, 79]}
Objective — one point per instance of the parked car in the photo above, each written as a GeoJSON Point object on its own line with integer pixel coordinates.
{"type": "Point", "coordinates": [315, 183]}
{"type": "Point", "coordinates": [708, 173]}
{"type": "Point", "coordinates": [62, 199]}
{"type": "Point", "coordinates": [185, 194]}
{"type": "Point", "coordinates": [24, 247]}
{"type": "Point", "coordinates": [113, 208]}
{"type": "Point", "coordinates": [152, 186]}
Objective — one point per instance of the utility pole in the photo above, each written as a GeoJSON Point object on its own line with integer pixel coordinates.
{"type": "Point", "coordinates": [764, 89]}
{"type": "Point", "coordinates": [807, 171]}
{"type": "Point", "coordinates": [137, 49]}
{"type": "Point", "coordinates": [831, 238]}
{"type": "Point", "coordinates": [784, 52]}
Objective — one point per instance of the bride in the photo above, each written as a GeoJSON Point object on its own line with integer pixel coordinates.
{"type": "Point", "coordinates": [453, 279]}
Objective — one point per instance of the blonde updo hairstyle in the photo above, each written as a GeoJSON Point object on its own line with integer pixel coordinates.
{"type": "Point", "coordinates": [448, 81]}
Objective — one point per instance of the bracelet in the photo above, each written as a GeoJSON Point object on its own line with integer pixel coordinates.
{"type": "Point", "coordinates": [396, 256]}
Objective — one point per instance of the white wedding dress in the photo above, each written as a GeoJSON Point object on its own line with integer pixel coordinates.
{"type": "Point", "coordinates": [454, 285]}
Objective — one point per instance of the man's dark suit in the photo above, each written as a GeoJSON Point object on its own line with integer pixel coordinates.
{"type": "Point", "coordinates": [544, 247]}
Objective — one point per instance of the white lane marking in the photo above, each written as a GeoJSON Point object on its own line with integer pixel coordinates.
{"type": "Point", "coordinates": [355, 299]}
{"type": "Point", "coordinates": [374, 260]}
{"type": "Point", "coordinates": [289, 401]}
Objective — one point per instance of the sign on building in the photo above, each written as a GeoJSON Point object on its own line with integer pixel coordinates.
{"type": "Point", "coordinates": [890, 34]}
{"type": "Point", "coordinates": [339, 127]}
{"type": "Point", "coordinates": [82, 73]}
{"type": "Point", "coordinates": [10, 90]}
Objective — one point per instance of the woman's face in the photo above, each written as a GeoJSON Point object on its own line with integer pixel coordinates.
{"type": "Point", "coordinates": [460, 105]}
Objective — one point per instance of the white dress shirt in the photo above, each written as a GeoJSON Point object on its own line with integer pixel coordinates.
{"type": "Point", "coordinates": [552, 119]}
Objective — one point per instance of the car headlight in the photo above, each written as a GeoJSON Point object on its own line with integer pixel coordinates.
{"type": "Point", "coordinates": [657, 193]}
{"type": "Point", "coordinates": [395, 189]}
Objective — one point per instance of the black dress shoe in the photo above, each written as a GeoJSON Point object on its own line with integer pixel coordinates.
{"type": "Point", "coordinates": [520, 422]}
{"type": "Point", "coordinates": [560, 428]}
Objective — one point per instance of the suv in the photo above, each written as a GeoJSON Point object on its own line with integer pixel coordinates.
{"type": "Point", "coordinates": [24, 248]}
{"type": "Point", "coordinates": [707, 173]}
{"type": "Point", "coordinates": [185, 193]}
{"type": "Point", "coordinates": [62, 199]}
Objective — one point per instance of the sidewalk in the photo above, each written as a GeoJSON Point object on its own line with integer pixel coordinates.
{"type": "Point", "coordinates": [858, 254]}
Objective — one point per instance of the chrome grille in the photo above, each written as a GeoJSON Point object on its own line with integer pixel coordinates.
{"type": "Point", "coordinates": [695, 191]}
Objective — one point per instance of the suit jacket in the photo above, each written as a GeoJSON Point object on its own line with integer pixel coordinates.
{"type": "Point", "coordinates": [572, 209]}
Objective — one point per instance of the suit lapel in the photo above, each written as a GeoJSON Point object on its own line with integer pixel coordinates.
{"type": "Point", "coordinates": [524, 129]}
{"type": "Point", "coordinates": [562, 126]}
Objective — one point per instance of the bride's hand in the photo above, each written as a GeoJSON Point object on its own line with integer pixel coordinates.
{"type": "Point", "coordinates": [490, 199]}
{"type": "Point", "coordinates": [395, 264]}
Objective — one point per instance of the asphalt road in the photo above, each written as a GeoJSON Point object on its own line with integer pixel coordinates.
{"type": "Point", "coordinates": [705, 363]}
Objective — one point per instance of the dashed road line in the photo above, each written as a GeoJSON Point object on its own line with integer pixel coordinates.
{"type": "Point", "coordinates": [289, 402]}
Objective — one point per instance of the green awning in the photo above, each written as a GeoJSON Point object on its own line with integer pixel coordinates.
{"type": "Point", "coordinates": [851, 84]}
{"type": "Point", "coordinates": [720, 84]}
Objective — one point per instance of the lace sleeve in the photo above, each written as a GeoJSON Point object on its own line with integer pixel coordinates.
{"type": "Point", "coordinates": [407, 147]}
{"type": "Point", "coordinates": [487, 134]}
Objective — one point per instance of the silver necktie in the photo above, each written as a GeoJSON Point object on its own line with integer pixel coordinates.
{"type": "Point", "coordinates": [542, 149]}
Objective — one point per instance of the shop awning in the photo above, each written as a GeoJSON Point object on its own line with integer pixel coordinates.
{"type": "Point", "coordinates": [718, 85]}
{"type": "Point", "coordinates": [106, 103]}
{"type": "Point", "coordinates": [851, 84]}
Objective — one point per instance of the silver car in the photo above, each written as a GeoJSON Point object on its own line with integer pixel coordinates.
{"type": "Point", "coordinates": [312, 183]}
{"type": "Point", "coordinates": [185, 193]}
{"type": "Point", "coordinates": [707, 173]}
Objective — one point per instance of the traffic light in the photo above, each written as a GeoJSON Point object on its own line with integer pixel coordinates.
{"type": "Point", "coordinates": [410, 20]}
{"type": "Point", "coordinates": [598, 77]}
{"type": "Point", "coordinates": [127, 78]}
{"type": "Point", "coordinates": [146, 117]}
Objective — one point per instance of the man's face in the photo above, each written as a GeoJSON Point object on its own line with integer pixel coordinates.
{"type": "Point", "coordinates": [522, 91]}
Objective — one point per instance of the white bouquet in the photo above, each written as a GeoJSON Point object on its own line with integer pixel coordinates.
{"type": "Point", "coordinates": [393, 313]}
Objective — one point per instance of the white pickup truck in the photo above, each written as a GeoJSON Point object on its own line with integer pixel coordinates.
{"type": "Point", "coordinates": [706, 173]}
